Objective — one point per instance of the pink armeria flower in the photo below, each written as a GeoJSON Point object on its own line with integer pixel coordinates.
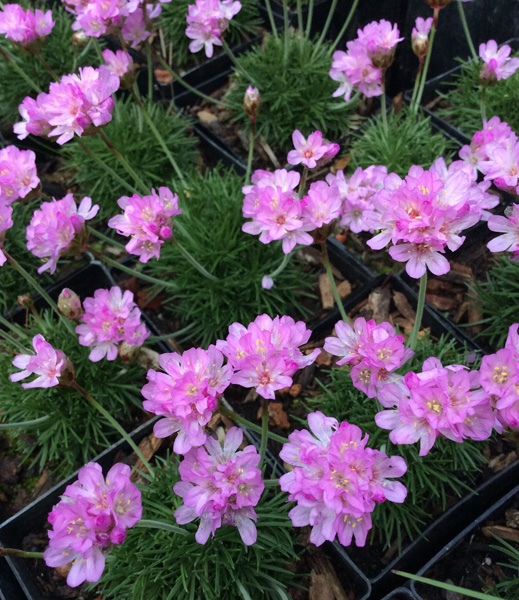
{"type": "Point", "coordinates": [18, 175]}
{"type": "Point", "coordinates": [147, 221]}
{"type": "Point", "coordinates": [337, 480]}
{"type": "Point", "coordinates": [321, 206]}
{"type": "Point", "coordinates": [310, 151]}
{"type": "Point", "coordinates": [502, 164]}
{"type": "Point", "coordinates": [110, 317]}
{"type": "Point", "coordinates": [207, 20]}
{"type": "Point", "coordinates": [47, 363]}
{"type": "Point", "coordinates": [6, 223]}
{"type": "Point", "coordinates": [186, 394]}
{"type": "Point", "coordinates": [439, 401]}
{"type": "Point", "coordinates": [118, 62]}
{"type": "Point", "coordinates": [58, 227]}
{"type": "Point", "coordinates": [23, 26]}
{"type": "Point", "coordinates": [509, 227]}
{"type": "Point", "coordinates": [220, 486]}
{"type": "Point", "coordinates": [497, 63]}
{"type": "Point", "coordinates": [374, 351]}
{"type": "Point", "coordinates": [266, 354]}
{"type": "Point", "coordinates": [73, 106]}
{"type": "Point", "coordinates": [494, 132]}
{"type": "Point", "coordinates": [420, 36]}
{"type": "Point", "coordinates": [90, 519]}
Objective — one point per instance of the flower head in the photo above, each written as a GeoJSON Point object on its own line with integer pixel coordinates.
{"type": "Point", "coordinates": [207, 20]}
{"type": "Point", "coordinates": [18, 176]}
{"type": "Point", "coordinates": [24, 26]}
{"type": "Point", "coordinates": [497, 63]}
{"type": "Point", "coordinates": [420, 36]}
{"type": "Point", "coordinates": [309, 151]}
{"type": "Point", "coordinates": [509, 227]}
{"type": "Point", "coordinates": [6, 223]}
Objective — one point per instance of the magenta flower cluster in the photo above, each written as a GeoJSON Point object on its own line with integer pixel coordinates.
{"type": "Point", "coordinates": [266, 354]}
{"type": "Point", "coordinates": [57, 227]}
{"type": "Point", "coordinates": [186, 394]}
{"type": "Point", "coordinates": [47, 364]}
{"type": "Point", "coordinates": [509, 227]}
{"type": "Point", "coordinates": [311, 151]}
{"type": "Point", "coordinates": [75, 105]}
{"type": "Point", "coordinates": [368, 56]}
{"type": "Point", "coordinates": [337, 481]}
{"type": "Point", "coordinates": [439, 401]}
{"type": "Point", "coordinates": [18, 175]}
{"type": "Point", "coordinates": [110, 317]}
{"type": "Point", "coordinates": [147, 221]}
{"type": "Point", "coordinates": [374, 351]}
{"type": "Point", "coordinates": [497, 63]}
{"type": "Point", "coordinates": [356, 193]}
{"type": "Point", "coordinates": [220, 486]}
{"type": "Point", "coordinates": [24, 26]}
{"type": "Point", "coordinates": [207, 20]}
{"type": "Point", "coordinates": [92, 517]}
{"type": "Point", "coordinates": [499, 376]}
{"type": "Point", "coordinates": [426, 212]}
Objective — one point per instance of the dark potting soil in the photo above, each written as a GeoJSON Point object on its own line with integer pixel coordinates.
{"type": "Point", "coordinates": [474, 562]}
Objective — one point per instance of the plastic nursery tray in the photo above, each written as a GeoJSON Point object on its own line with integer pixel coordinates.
{"type": "Point", "coordinates": [441, 85]}
{"type": "Point", "coordinates": [478, 519]}
{"type": "Point", "coordinates": [401, 593]}
{"type": "Point", "coordinates": [34, 517]}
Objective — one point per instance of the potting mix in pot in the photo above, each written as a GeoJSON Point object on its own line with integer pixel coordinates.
{"type": "Point", "coordinates": [298, 401]}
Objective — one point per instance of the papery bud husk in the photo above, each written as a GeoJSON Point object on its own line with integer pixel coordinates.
{"type": "Point", "coordinates": [128, 80]}
{"type": "Point", "coordinates": [323, 233]}
{"type": "Point", "coordinates": [438, 4]}
{"type": "Point", "coordinates": [383, 61]}
{"type": "Point", "coordinates": [80, 38]}
{"type": "Point", "coordinates": [68, 373]}
{"type": "Point", "coordinates": [34, 48]}
{"type": "Point", "coordinates": [252, 102]}
{"type": "Point", "coordinates": [128, 352]}
{"type": "Point", "coordinates": [33, 194]}
{"type": "Point", "coordinates": [25, 301]}
{"type": "Point", "coordinates": [420, 47]}
{"type": "Point", "coordinates": [69, 304]}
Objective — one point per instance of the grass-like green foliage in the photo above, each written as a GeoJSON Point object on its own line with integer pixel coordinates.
{"type": "Point", "coordinates": [404, 143]}
{"type": "Point", "coordinates": [131, 135]}
{"type": "Point", "coordinates": [76, 431]}
{"type": "Point", "coordinates": [508, 588]}
{"type": "Point", "coordinates": [447, 469]}
{"type": "Point", "coordinates": [12, 284]}
{"type": "Point", "coordinates": [465, 96]}
{"type": "Point", "coordinates": [157, 564]}
{"type": "Point", "coordinates": [498, 299]}
{"type": "Point", "coordinates": [59, 53]}
{"type": "Point", "coordinates": [296, 91]}
{"type": "Point", "coordinates": [213, 219]}
{"type": "Point", "coordinates": [242, 27]}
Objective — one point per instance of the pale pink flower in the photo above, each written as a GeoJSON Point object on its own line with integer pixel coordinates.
{"type": "Point", "coordinates": [18, 175]}
{"type": "Point", "coordinates": [309, 151]}
{"type": "Point", "coordinates": [24, 26]}
{"type": "Point", "coordinates": [497, 63]}
{"type": "Point", "coordinates": [207, 20]}
{"type": "Point", "coordinates": [509, 227]}
{"type": "Point", "coordinates": [47, 363]}
{"type": "Point", "coordinates": [6, 223]}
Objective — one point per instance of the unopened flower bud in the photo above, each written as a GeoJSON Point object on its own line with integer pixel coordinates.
{"type": "Point", "coordinates": [252, 102]}
{"type": "Point", "coordinates": [267, 282]}
{"type": "Point", "coordinates": [420, 36]}
{"type": "Point", "coordinates": [80, 39]}
{"type": "Point", "coordinates": [69, 304]}
{"type": "Point", "coordinates": [127, 352]}
{"type": "Point", "coordinates": [25, 301]}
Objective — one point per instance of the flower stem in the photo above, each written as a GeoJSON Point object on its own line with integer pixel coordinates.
{"type": "Point", "coordinates": [47, 67]}
{"type": "Point", "coordinates": [235, 61]}
{"type": "Point", "coordinates": [24, 424]}
{"type": "Point", "coordinates": [416, 86]}
{"type": "Point", "coordinates": [192, 260]}
{"type": "Point", "coordinates": [188, 87]}
{"type": "Point", "coordinates": [418, 98]}
{"type": "Point", "coordinates": [251, 150]}
{"type": "Point", "coordinates": [149, 524]}
{"type": "Point", "coordinates": [128, 168]}
{"type": "Point", "coordinates": [271, 482]}
{"type": "Point", "coordinates": [287, 32]}
{"type": "Point", "coordinates": [264, 428]}
{"type": "Point", "coordinates": [37, 287]}
{"type": "Point", "coordinates": [166, 284]}
{"type": "Point", "coordinates": [309, 18]}
{"type": "Point", "coordinates": [302, 184]}
{"type": "Point", "coordinates": [271, 18]}
{"type": "Point", "coordinates": [466, 30]}
{"type": "Point", "coordinates": [227, 412]}
{"type": "Point", "coordinates": [482, 104]}
{"type": "Point", "coordinates": [383, 109]}
{"type": "Point", "coordinates": [419, 312]}
{"type": "Point", "coordinates": [114, 424]}
{"type": "Point", "coordinates": [326, 25]}
{"type": "Point", "coordinates": [328, 267]}
{"type": "Point", "coordinates": [345, 26]}
{"type": "Point", "coordinates": [20, 553]}
{"type": "Point", "coordinates": [150, 70]}
{"type": "Point", "coordinates": [282, 266]}
{"type": "Point", "coordinates": [159, 137]}
{"type": "Point", "coordinates": [105, 238]}
{"type": "Point", "coordinates": [12, 61]}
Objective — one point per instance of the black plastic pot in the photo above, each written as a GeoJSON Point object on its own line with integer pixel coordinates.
{"type": "Point", "coordinates": [478, 519]}
{"type": "Point", "coordinates": [401, 593]}
{"type": "Point", "coordinates": [320, 14]}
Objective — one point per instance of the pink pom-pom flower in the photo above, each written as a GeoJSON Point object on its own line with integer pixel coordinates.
{"type": "Point", "coordinates": [18, 175]}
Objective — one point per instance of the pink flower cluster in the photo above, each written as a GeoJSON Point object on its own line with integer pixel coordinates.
{"type": "Point", "coordinates": [6, 223]}
{"type": "Point", "coordinates": [499, 376]}
{"type": "Point", "coordinates": [312, 151]}
{"type": "Point", "coordinates": [207, 20]}
{"type": "Point", "coordinates": [110, 317]}
{"type": "Point", "coordinates": [509, 227]}
{"type": "Point", "coordinates": [439, 401]}
{"type": "Point", "coordinates": [23, 26]}
{"type": "Point", "coordinates": [130, 18]}
{"type": "Point", "coordinates": [363, 66]}
{"type": "Point", "coordinates": [90, 519]}
{"type": "Point", "coordinates": [75, 105]}
{"type": "Point", "coordinates": [147, 221]}
{"type": "Point", "coordinates": [277, 213]}
{"type": "Point", "coordinates": [420, 37]}
{"type": "Point", "coordinates": [18, 175]}
{"type": "Point", "coordinates": [374, 351]}
{"type": "Point", "coordinates": [47, 363]}
{"type": "Point", "coordinates": [356, 193]}
{"type": "Point", "coordinates": [118, 62]}
{"type": "Point", "coordinates": [497, 63]}
{"type": "Point", "coordinates": [337, 480]}
{"type": "Point", "coordinates": [266, 354]}
{"type": "Point", "coordinates": [57, 227]}
{"type": "Point", "coordinates": [186, 394]}
{"type": "Point", "coordinates": [426, 212]}
{"type": "Point", "coordinates": [220, 486]}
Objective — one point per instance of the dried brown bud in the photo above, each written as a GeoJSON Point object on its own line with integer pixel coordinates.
{"type": "Point", "coordinates": [25, 301]}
